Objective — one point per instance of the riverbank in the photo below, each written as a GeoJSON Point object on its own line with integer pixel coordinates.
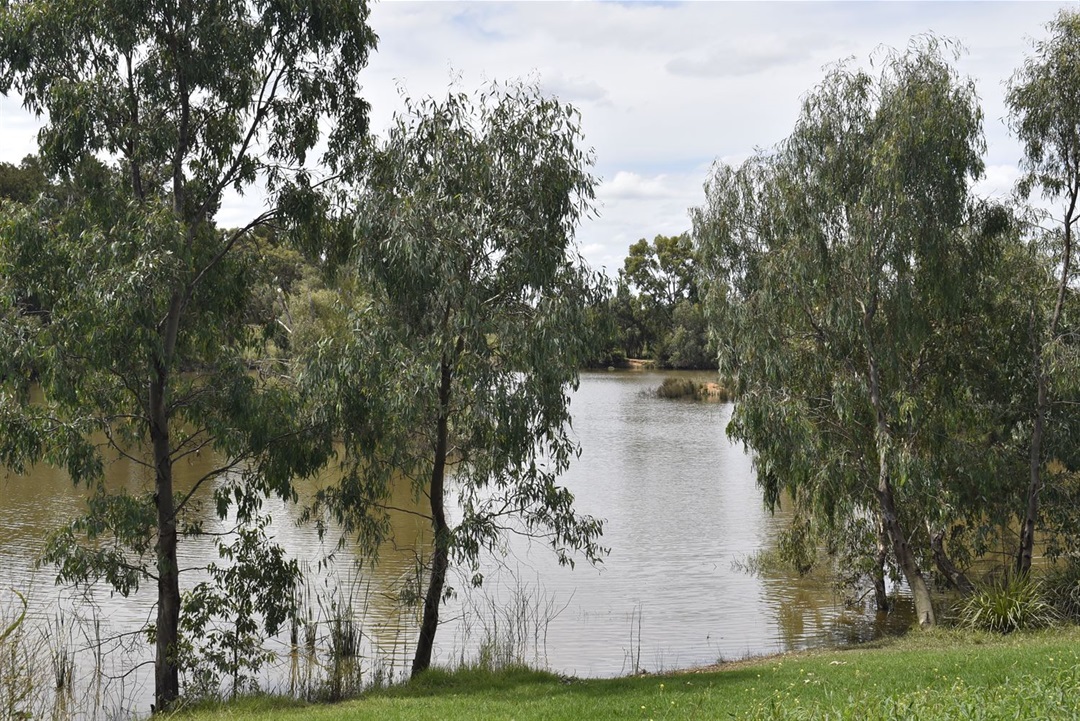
{"type": "Point", "coordinates": [939, 674]}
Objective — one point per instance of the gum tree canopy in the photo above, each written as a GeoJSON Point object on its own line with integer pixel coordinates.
{"type": "Point", "coordinates": [154, 110]}
{"type": "Point", "coordinates": [1044, 105]}
{"type": "Point", "coordinates": [472, 332]}
{"type": "Point", "coordinates": [836, 267]}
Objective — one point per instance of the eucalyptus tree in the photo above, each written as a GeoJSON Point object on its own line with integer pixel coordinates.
{"type": "Point", "coordinates": [664, 319]}
{"type": "Point", "coordinates": [471, 331]}
{"type": "Point", "coordinates": [22, 182]}
{"type": "Point", "coordinates": [152, 113]}
{"type": "Point", "coordinates": [1044, 102]}
{"type": "Point", "coordinates": [663, 269]}
{"type": "Point", "coordinates": [832, 267]}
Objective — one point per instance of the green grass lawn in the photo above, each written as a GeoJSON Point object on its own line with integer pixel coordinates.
{"type": "Point", "coordinates": [925, 675]}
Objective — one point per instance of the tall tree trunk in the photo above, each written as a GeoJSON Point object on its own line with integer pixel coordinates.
{"type": "Point", "coordinates": [1035, 481]}
{"type": "Point", "coordinates": [440, 557]}
{"type": "Point", "coordinates": [905, 558]}
{"type": "Point", "coordinates": [166, 672]}
{"type": "Point", "coordinates": [881, 597]}
{"type": "Point", "coordinates": [166, 669]}
{"type": "Point", "coordinates": [1042, 400]}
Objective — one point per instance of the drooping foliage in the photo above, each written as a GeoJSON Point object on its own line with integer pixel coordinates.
{"type": "Point", "coordinates": [471, 331]}
{"type": "Point", "coordinates": [848, 272]}
{"type": "Point", "coordinates": [1042, 98]}
{"type": "Point", "coordinates": [153, 112]}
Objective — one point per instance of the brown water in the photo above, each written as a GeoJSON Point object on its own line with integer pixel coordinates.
{"type": "Point", "coordinates": [680, 504]}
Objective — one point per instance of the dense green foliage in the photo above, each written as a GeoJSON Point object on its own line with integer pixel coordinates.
{"type": "Point", "coordinates": [888, 336]}
{"type": "Point", "coordinates": [837, 267]}
{"type": "Point", "coordinates": [655, 312]}
{"type": "Point", "coordinates": [23, 182]}
{"type": "Point", "coordinates": [454, 369]}
{"type": "Point", "coordinates": [122, 294]}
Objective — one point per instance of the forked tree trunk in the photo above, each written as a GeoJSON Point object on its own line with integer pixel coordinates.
{"type": "Point", "coordinates": [905, 558]}
{"type": "Point", "coordinates": [902, 552]}
{"type": "Point", "coordinates": [949, 570]}
{"type": "Point", "coordinates": [440, 557]}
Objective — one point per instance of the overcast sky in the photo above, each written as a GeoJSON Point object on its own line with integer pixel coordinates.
{"type": "Point", "coordinates": [664, 89]}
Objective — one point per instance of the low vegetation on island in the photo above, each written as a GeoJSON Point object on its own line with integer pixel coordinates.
{"type": "Point", "coordinates": [694, 389]}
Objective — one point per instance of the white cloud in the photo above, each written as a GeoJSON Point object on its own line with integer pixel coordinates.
{"type": "Point", "coordinates": [631, 186]}
{"type": "Point", "coordinates": [754, 54]}
{"type": "Point", "coordinates": [573, 89]}
{"type": "Point", "coordinates": [998, 182]}
{"type": "Point", "coordinates": [633, 206]}
{"type": "Point", "coordinates": [18, 130]}
{"type": "Point", "coordinates": [664, 89]}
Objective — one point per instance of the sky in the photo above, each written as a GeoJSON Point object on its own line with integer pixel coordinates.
{"type": "Point", "coordinates": [665, 89]}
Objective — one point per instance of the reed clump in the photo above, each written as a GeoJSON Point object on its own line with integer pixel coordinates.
{"type": "Point", "coordinates": [24, 663]}
{"type": "Point", "coordinates": [690, 389]}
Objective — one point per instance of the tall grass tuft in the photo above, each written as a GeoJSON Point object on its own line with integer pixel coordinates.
{"type": "Point", "coordinates": [1013, 604]}
{"type": "Point", "coordinates": [23, 688]}
{"type": "Point", "coordinates": [499, 632]}
{"type": "Point", "coordinates": [1063, 590]}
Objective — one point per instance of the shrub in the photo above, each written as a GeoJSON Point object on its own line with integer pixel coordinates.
{"type": "Point", "coordinates": [688, 388]}
{"type": "Point", "coordinates": [1013, 604]}
{"type": "Point", "coordinates": [677, 388]}
{"type": "Point", "coordinates": [1062, 586]}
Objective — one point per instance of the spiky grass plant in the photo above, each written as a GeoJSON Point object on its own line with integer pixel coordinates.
{"type": "Point", "coordinates": [1012, 604]}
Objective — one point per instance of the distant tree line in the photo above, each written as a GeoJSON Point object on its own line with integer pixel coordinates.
{"type": "Point", "coordinates": [654, 311]}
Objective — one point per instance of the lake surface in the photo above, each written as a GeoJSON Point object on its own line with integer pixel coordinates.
{"type": "Point", "coordinates": [682, 511]}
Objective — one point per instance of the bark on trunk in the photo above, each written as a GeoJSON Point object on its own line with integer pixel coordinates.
{"type": "Point", "coordinates": [1035, 481]}
{"type": "Point", "coordinates": [956, 578]}
{"type": "Point", "coordinates": [905, 558]}
{"type": "Point", "coordinates": [440, 558]}
{"type": "Point", "coordinates": [166, 672]}
{"type": "Point", "coordinates": [1042, 402]}
{"type": "Point", "coordinates": [881, 597]}
{"type": "Point", "coordinates": [166, 669]}
{"type": "Point", "coordinates": [902, 552]}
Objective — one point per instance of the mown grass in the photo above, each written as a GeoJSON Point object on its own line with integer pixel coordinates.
{"type": "Point", "coordinates": [925, 675]}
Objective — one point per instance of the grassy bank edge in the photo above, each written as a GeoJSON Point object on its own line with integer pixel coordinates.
{"type": "Point", "coordinates": [936, 674]}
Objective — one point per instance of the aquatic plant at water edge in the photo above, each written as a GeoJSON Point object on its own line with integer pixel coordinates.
{"type": "Point", "coordinates": [226, 620]}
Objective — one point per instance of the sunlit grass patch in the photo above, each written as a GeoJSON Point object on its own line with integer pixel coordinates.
{"type": "Point", "coordinates": [933, 675]}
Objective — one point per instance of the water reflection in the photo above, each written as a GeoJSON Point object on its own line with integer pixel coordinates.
{"type": "Point", "coordinates": [680, 503]}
